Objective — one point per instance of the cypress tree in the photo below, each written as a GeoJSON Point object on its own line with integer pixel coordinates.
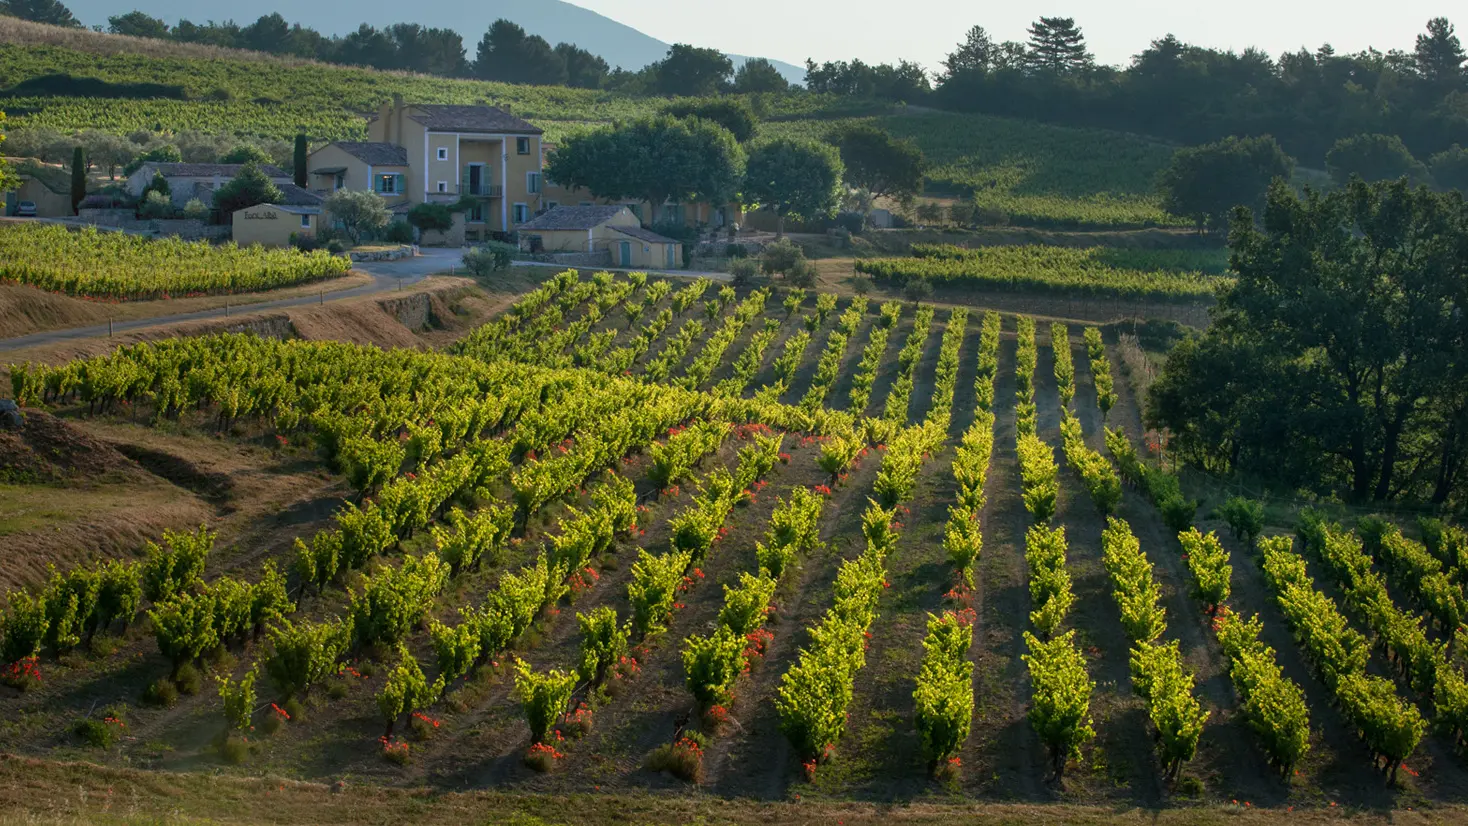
{"type": "Point", "coordinates": [78, 178]}
{"type": "Point", "coordinates": [300, 160]}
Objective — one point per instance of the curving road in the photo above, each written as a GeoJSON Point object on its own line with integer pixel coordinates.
{"type": "Point", "coordinates": [387, 276]}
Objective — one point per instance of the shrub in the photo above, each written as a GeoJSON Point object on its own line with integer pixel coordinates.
{"type": "Point", "coordinates": [743, 272]}
{"type": "Point", "coordinates": [1178, 512]}
{"type": "Point", "coordinates": [196, 210]}
{"type": "Point", "coordinates": [683, 759]}
{"type": "Point", "coordinates": [542, 696]}
{"type": "Point", "coordinates": [103, 732]}
{"type": "Point", "coordinates": [398, 232]}
{"type": "Point", "coordinates": [25, 626]}
{"type": "Point", "coordinates": [171, 570]}
{"type": "Point", "coordinates": [162, 692]}
{"type": "Point", "coordinates": [154, 206]}
{"type": "Point", "coordinates": [1245, 517]}
{"type": "Point", "coordinates": [238, 699]}
{"type": "Point", "coordinates": [489, 258]}
{"type": "Point", "coordinates": [713, 663]}
{"type": "Point", "coordinates": [406, 690]}
{"type": "Point", "coordinates": [736, 251]}
{"type": "Point", "coordinates": [603, 643]}
{"type": "Point", "coordinates": [917, 290]}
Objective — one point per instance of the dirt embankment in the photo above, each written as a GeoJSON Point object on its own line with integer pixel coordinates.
{"type": "Point", "coordinates": [435, 313]}
{"type": "Point", "coordinates": [27, 310]}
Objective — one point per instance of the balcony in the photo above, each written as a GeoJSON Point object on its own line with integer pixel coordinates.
{"type": "Point", "coordinates": [482, 190]}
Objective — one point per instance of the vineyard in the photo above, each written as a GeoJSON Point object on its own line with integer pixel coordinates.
{"type": "Point", "coordinates": [1037, 175]}
{"type": "Point", "coordinates": [123, 267]}
{"type": "Point", "coordinates": [638, 535]}
{"type": "Point", "coordinates": [1099, 272]}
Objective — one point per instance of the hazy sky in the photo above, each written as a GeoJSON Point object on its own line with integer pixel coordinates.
{"type": "Point", "coordinates": [926, 30]}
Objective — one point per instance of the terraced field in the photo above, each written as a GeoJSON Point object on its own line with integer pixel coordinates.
{"type": "Point", "coordinates": [645, 537]}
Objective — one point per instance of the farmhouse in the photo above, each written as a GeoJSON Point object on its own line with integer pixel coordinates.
{"type": "Point", "coordinates": [298, 215]}
{"type": "Point", "coordinates": [425, 153]}
{"type": "Point", "coordinates": [187, 181]}
{"type": "Point", "coordinates": [610, 229]}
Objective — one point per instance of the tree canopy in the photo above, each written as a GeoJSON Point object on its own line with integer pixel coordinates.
{"type": "Point", "coordinates": [689, 71]}
{"type": "Point", "coordinates": [879, 163]}
{"type": "Point", "coordinates": [1206, 182]}
{"type": "Point", "coordinates": [795, 179]}
{"type": "Point", "coordinates": [731, 113]}
{"type": "Point", "coordinates": [1450, 168]}
{"type": "Point", "coordinates": [758, 75]}
{"type": "Point", "coordinates": [507, 54]}
{"type": "Point", "coordinates": [1371, 158]}
{"type": "Point", "coordinates": [1339, 360]}
{"type": "Point", "coordinates": [250, 187]}
{"type": "Point", "coordinates": [654, 160]}
{"type": "Point", "coordinates": [51, 12]}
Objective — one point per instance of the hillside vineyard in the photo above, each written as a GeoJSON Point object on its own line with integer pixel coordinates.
{"type": "Point", "coordinates": [766, 542]}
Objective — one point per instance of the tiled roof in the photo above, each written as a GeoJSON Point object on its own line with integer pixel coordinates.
{"type": "Point", "coordinates": [375, 153]}
{"type": "Point", "coordinates": [573, 217]}
{"type": "Point", "coordinates": [442, 118]}
{"type": "Point", "coordinates": [645, 235]}
{"type": "Point", "coordinates": [209, 170]}
{"type": "Point", "coordinates": [292, 195]}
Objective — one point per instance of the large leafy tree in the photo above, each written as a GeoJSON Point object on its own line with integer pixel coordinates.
{"type": "Point", "coordinates": [1206, 182]}
{"type": "Point", "coordinates": [759, 75]}
{"type": "Point", "coordinates": [358, 212]}
{"type": "Point", "coordinates": [584, 70]}
{"type": "Point", "coordinates": [507, 54]}
{"type": "Point", "coordinates": [248, 188]}
{"type": "Point", "coordinates": [655, 160]}
{"type": "Point", "coordinates": [731, 113]}
{"type": "Point", "coordinates": [1450, 168]}
{"type": "Point", "coordinates": [1339, 361]}
{"type": "Point", "coordinates": [1371, 158]}
{"type": "Point", "coordinates": [51, 12]}
{"type": "Point", "coordinates": [693, 72]}
{"type": "Point", "coordinates": [795, 179]}
{"type": "Point", "coordinates": [1058, 47]}
{"type": "Point", "coordinates": [137, 24]}
{"type": "Point", "coordinates": [879, 163]}
{"type": "Point", "coordinates": [1439, 55]}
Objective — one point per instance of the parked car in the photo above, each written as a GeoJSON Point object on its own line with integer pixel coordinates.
{"type": "Point", "coordinates": [26, 209]}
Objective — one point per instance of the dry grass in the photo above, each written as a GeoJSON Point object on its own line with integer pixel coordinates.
{"type": "Point", "coordinates": [45, 791]}
{"type": "Point", "coordinates": [25, 33]}
{"type": "Point", "coordinates": [27, 310]}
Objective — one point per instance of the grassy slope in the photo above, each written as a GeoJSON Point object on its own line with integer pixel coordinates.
{"type": "Point", "coordinates": [1037, 174]}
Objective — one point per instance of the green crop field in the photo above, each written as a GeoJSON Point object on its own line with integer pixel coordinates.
{"type": "Point", "coordinates": [1037, 175]}
{"type": "Point", "coordinates": [1164, 275]}
{"type": "Point", "coordinates": [119, 266]}
{"type": "Point", "coordinates": [724, 545]}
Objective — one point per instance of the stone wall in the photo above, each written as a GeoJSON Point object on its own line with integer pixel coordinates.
{"type": "Point", "coordinates": [601, 258]}
{"type": "Point", "coordinates": [403, 251]}
{"type": "Point", "coordinates": [188, 229]}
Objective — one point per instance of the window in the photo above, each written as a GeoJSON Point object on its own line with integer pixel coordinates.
{"type": "Point", "coordinates": [476, 214]}
{"type": "Point", "coordinates": [550, 205]}
{"type": "Point", "coordinates": [522, 146]}
{"type": "Point", "coordinates": [391, 184]}
{"type": "Point", "coordinates": [341, 180]}
{"type": "Point", "coordinates": [443, 186]}
{"type": "Point", "coordinates": [305, 222]}
{"type": "Point", "coordinates": [443, 153]}
{"type": "Point", "coordinates": [521, 213]}
{"type": "Point", "coordinates": [532, 182]}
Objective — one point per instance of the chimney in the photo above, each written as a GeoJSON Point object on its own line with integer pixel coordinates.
{"type": "Point", "coordinates": [397, 119]}
{"type": "Point", "coordinates": [384, 121]}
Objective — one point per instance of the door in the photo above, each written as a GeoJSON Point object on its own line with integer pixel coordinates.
{"type": "Point", "coordinates": [672, 250]}
{"type": "Point", "coordinates": [624, 249]}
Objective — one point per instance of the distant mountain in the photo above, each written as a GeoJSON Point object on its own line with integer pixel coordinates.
{"type": "Point", "coordinates": [559, 22]}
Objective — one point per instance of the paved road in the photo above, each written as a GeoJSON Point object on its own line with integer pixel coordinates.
{"type": "Point", "coordinates": [387, 276]}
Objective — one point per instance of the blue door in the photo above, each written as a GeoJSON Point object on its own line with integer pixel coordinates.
{"type": "Point", "coordinates": [672, 251]}
{"type": "Point", "coordinates": [625, 248]}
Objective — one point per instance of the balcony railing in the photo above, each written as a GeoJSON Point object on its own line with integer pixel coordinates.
{"type": "Point", "coordinates": [483, 190]}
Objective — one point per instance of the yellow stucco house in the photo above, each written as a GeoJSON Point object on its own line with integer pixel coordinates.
{"type": "Point", "coordinates": [418, 152]}
{"type": "Point", "coordinates": [47, 187]}
{"type": "Point", "coordinates": [298, 215]}
{"type": "Point", "coordinates": [611, 229]}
